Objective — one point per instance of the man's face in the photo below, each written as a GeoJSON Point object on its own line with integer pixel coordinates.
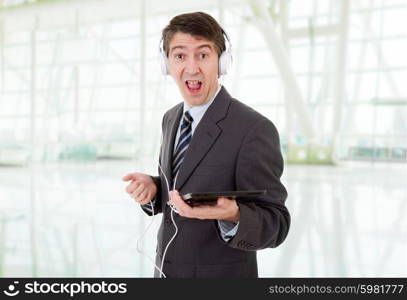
{"type": "Point", "coordinates": [193, 63]}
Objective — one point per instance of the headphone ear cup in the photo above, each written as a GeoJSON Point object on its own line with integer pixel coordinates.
{"type": "Point", "coordinates": [164, 63]}
{"type": "Point", "coordinates": [225, 61]}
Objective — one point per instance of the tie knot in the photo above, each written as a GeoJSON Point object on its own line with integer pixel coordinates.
{"type": "Point", "coordinates": [187, 117]}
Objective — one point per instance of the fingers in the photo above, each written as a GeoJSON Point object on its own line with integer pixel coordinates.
{"type": "Point", "coordinates": [175, 198]}
{"type": "Point", "coordinates": [132, 187]}
{"type": "Point", "coordinates": [223, 209]}
{"type": "Point", "coordinates": [183, 209]}
{"type": "Point", "coordinates": [141, 187]}
{"type": "Point", "coordinates": [222, 201]}
{"type": "Point", "coordinates": [128, 177]}
{"type": "Point", "coordinates": [137, 191]}
{"type": "Point", "coordinates": [144, 198]}
{"type": "Point", "coordinates": [141, 194]}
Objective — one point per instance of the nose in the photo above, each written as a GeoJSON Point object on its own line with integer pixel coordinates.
{"type": "Point", "coordinates": [192, 66]}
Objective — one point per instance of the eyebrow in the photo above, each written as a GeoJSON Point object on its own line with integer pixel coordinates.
{"type": "Point", "coordinates": [183, 47]}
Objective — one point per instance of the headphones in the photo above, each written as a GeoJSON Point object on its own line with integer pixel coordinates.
{"type": "Point", "coordinates": [225, 58]}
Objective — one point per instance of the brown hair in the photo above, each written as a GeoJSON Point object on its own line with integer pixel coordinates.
{"type": "Point", "coordinates": [197, 24]}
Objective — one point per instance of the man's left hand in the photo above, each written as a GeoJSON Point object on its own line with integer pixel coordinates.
{"type": "Point", "coordinates": [225, 209]}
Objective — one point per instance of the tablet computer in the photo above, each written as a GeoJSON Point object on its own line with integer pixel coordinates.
{"type": "Point", "coordinates": [210, 198]}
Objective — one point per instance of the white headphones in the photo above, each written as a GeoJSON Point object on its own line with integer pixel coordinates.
{"type": "Point", "coordinates": [225, 59]}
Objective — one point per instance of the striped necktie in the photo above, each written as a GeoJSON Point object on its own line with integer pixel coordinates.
{"type": "Point", "coordinates": [183, 143]}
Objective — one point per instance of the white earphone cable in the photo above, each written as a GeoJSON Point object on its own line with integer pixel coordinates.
{"type": "Point", "coordinates": [138, 248]}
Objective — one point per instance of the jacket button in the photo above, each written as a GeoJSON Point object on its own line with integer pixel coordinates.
{"type": "Point", "coordinates": [166, 261]}
{"type": "Point", "coordinates": [167, 221]}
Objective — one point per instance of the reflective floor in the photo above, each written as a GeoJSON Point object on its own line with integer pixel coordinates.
{"type": "Point", "coordinates": [76, 220]}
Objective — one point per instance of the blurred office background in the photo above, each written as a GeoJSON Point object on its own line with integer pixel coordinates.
{"type": "Point", "coordinates": [81, 101]}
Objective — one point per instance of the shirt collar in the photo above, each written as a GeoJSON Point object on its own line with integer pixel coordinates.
{"type": "Point", "coordinates": [199, 110]}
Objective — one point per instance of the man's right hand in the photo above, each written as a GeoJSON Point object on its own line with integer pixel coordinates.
{"type": "Point", "coordinates": [141, 187]}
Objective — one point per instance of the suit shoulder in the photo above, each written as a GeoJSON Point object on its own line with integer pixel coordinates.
{"type": "Point", "coordinates": [248, 115]}
{"type": "Point", "coordinates": [172, 111]}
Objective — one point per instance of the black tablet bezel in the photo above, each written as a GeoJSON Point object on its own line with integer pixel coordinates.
{"type": "Point", "coordinates": [210, 198]}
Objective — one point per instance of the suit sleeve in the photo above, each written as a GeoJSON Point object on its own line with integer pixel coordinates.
{"type": "Point", "coordinates": [264, 222]}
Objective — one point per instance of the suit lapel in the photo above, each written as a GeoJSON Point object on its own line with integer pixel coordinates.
{"type": "Point", "coordinates": [168, 142]}
{"type": "Point", "coordinates": [204, 136]}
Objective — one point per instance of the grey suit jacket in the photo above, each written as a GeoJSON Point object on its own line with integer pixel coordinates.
{"type": "Point", "coordinates": [233, 148]}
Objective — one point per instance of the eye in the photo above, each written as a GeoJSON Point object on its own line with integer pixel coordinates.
{"type": "Point", "coordinates": [179, 56]}
{"type": "Point", "coordinates": [203, 55]}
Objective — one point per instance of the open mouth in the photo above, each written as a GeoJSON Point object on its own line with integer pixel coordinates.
{"type": "Point", "coordinates": [194, 86]}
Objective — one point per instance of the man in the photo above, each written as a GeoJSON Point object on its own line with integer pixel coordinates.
{"type": "Point", "coordinates": [211, 142]}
